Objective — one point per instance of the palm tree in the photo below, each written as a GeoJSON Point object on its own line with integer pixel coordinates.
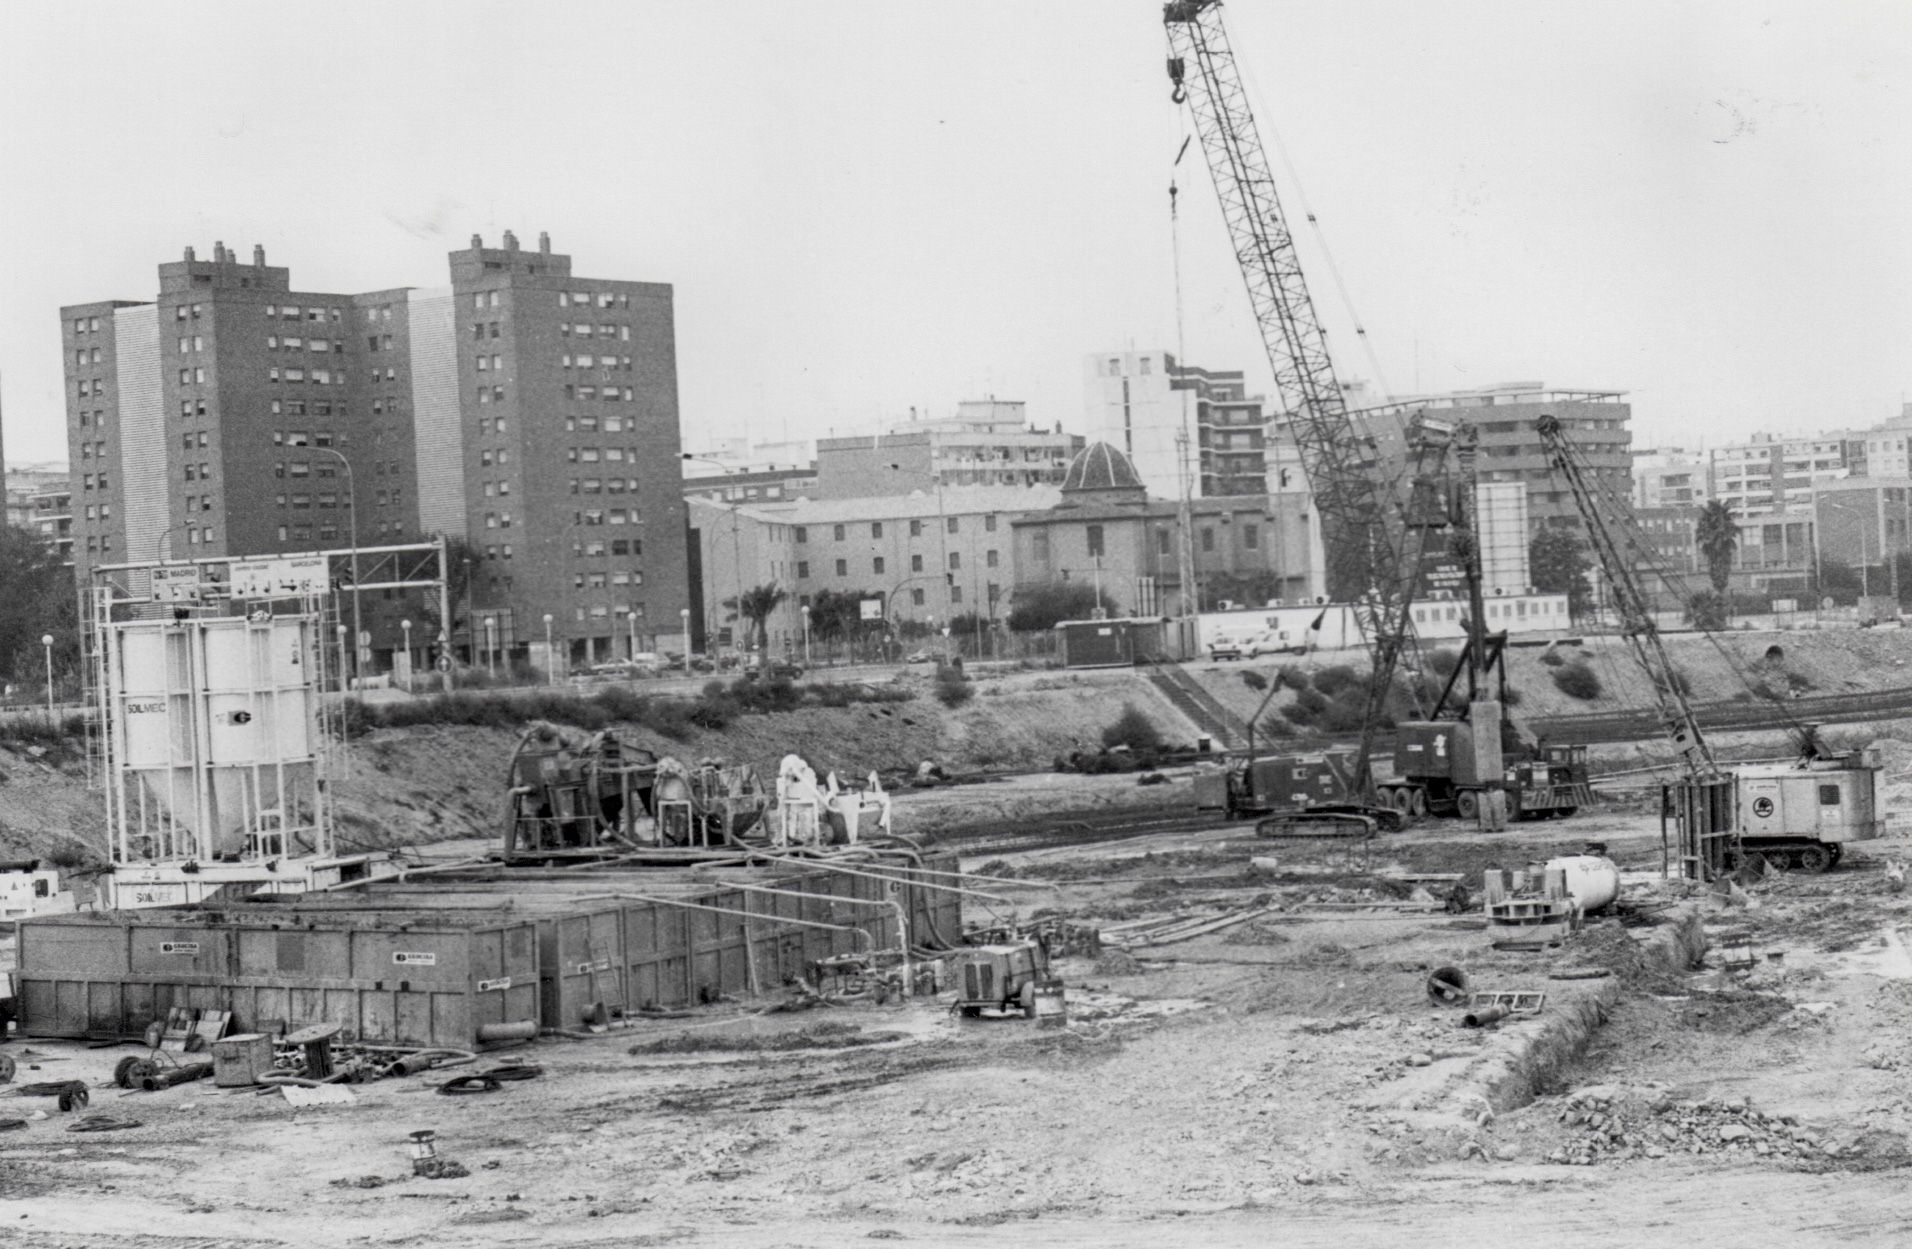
{"type": "Point", "coordinates": [1717, 535]}
{"type": "Point", "coordinates": [756, 605]}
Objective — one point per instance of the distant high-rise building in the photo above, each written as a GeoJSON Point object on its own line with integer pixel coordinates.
{"type": "Point", "coordinates": [988, 442]}
{"type": "Point", "coordinates": [1510, 448]}
{"type": "Point", "coordinates": [524, 410]}
{"type": "Point", "coordinates": [1668, 477]}
{"type": "Point", "coordinates": [1771, 473]}
{"type": "Point", "coordinates": [1143, 402]}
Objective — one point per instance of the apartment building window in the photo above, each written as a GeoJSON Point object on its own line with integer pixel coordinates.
{"type": "Point", "coordinates": [916, 563]}
{"type": "Point", "coordinates": [843, 568]}
{"type": "Point", "coordinates": [916, 529]}
{"type": "Point", "coordinates": [803, 534]}
{"type": "Point", "coordinates": [989, 558]}
{"type": "Point", "coordinates": [1208, 539]}
{"type": "Point", "coordinates": [989, 523]}
{"type": "Point", "coordinates": [876, 566]}
{"type": "Point", "coordinates": [838, 533]}
{"type": "Point", "coordinates": [916, 596]}
{"type": "Point", "coordinates": [955, 560]}
{"type": "Point", "coordinates": [1251, 536]}
{"type": "Point", "coordinates": [955, 594]}
{"type": "Point", "coordinates": [876, 531]}
{"type": "Point", "coordinates": [803, 570]}
{"type": "Point", "coordinates": [1039, 546]}
{"type": "Point", "coordinates": [1095, 541]}
{"type": "Point", "coordinates": [952, 525]}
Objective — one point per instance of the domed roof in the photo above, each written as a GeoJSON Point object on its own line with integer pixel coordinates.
{"type": "Point", "coordinates": [1100, 466]}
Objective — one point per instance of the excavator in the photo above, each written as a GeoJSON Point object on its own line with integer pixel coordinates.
{"type": "Point", "coordinates": [1799, 814]}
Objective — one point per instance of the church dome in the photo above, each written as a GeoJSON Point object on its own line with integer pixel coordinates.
{"type": "Point", "coordinates": [1100, 466]}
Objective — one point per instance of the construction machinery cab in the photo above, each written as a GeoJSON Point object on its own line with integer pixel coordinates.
{"type": "Point", "coordinates": [1001, 977]}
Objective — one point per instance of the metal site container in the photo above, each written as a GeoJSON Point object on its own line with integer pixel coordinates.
{"type": "Point", "coordinates": [422, 978]}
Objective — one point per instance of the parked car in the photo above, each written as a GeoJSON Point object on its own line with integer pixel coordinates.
{"type": "Point", "coordinates": [1254, 646]}
{"type": "Point", "coordinates": [1225, 648]}
{"type": "Point", "coordinates": [759, 667]}
{"type": "Point", "coordinates": [919, 657]}
{"type": "Point", "coordinates": [1275, 642]}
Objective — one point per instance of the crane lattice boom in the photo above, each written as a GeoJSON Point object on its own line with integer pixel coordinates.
{"type": "Point", "coordinates": [1364, 544]}
{"type": "Point", "coordinates": [1628, 596]}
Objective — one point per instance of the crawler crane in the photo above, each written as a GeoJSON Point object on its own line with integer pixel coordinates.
{"type": "Point", "coordinates": [1799, 814]}
{"type": "Point", "coordinates": [1363, 495]}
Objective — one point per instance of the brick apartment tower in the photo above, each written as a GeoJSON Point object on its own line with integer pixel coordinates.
{"type": "Point", "coordinates": [528, 412]}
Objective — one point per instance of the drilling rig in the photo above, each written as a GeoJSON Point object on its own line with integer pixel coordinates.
{"type": "Point", "coordinates": [1800, 814]}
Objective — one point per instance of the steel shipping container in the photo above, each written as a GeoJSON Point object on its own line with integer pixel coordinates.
{"type": "Point", "coordinates": [424, 978]}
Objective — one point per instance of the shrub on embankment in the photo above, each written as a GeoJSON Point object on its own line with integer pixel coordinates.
{"type": "Point", "coordinates": [669, 716]}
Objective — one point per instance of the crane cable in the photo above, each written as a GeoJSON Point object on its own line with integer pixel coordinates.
{"type": "Point", "coordinates": [1259, 110]}
{"type": "Point", "coordinates": [1646, 558]}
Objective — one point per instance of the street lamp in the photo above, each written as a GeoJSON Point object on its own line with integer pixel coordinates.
{"type": "Point", "coordinates": [405, 629]}
{"type": "Point", "coordinates": [550, 660]}
{"type": "Point", "coordinates": [46, 643]}
{"type": "Point", "coordinates": [351, 517]}
{"type": "Point", "coordinates": [341, 633]}
{"type": "Point", "coordinates": [491, 644]}
{"type": "Point", "coordinates": [806, 635]}
{"type": "Point", "coordinates": [683, 616]}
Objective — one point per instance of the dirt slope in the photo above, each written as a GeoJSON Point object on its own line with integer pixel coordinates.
{"type": "Point", "coordinates": [415, 785]}
{"type": "Point", "coordinates": [1810, 663]}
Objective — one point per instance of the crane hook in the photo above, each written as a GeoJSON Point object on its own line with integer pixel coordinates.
{"type": "Point", "coordinates": [1180, 94]}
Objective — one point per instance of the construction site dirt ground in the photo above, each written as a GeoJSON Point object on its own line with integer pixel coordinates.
{"type": "Point", "coordinates": [1282, 1080]}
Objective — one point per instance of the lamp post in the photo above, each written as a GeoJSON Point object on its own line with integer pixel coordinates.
{"type": "Point", "coordinates": [351, 519]}
{"type": "Point", "coordinates": [491, 643]}
{"type": "Point", "coordinates": [550, 660]}
{"type": "Point", "coordinates": [341, 635]}
{"type": "Point", "coordinates": [683, 616]}
{"type": "Point", "coordinates": [806, 635]}
{"type": "Point", "coordinates": [405, 630]}
{"type": "Point", "coordinates": [46, 644]}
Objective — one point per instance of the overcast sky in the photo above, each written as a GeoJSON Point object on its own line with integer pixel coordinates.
{"type": "Point", "coordinates": [866, 207]}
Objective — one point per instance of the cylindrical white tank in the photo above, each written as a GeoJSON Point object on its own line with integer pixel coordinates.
{"type": "Point", "coordinates": [1592, 880]}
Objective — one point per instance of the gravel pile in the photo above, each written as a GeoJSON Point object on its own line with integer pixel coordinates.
{"type": "Point", "coordinates": [1613, 1125]}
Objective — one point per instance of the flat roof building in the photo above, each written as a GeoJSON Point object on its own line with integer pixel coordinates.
{"type": "Point", "coordinates": [524, 410]}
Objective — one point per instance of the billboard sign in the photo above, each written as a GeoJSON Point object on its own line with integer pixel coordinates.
{"type": "Point", "coordinates": [291, 577]}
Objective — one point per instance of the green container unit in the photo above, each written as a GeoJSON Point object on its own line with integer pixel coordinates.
{"type": "Point", "coordinates": [579, 945]}
{"type": "Point", "coordinates": [419, 979]}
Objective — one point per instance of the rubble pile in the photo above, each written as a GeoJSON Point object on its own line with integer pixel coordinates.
{"type": "Point", "coordinates": [1648, 1123]}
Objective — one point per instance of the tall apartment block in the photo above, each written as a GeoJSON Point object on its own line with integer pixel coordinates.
{"type": "Point", "coordinates": [524, 410]}
{"type": "Point", "coordinates": [1597, 421]}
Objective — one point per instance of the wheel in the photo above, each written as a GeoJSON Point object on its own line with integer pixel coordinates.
{"type": "Point", "coordinates": [1514, 813]}
{"type": "Point", "coordinates": [1029, 1000]}
{"type": "Point", "coordinates": [73, 1099]}
{"type": "Point", "coordinates": [1814, 858]}
{"type": "Point", "coordinates": [1837, 850]}
{"type": "Point", "coordinates": [6, 1069]}
{"type": "Point", "coordinates": [1401, 799]}
{"type": "Point", "coordinates": [1417, 803]}
{"type": "Point", "coordinates": [1467, 805]}
{"type": "Point", "coordinates": [121, 1069]}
